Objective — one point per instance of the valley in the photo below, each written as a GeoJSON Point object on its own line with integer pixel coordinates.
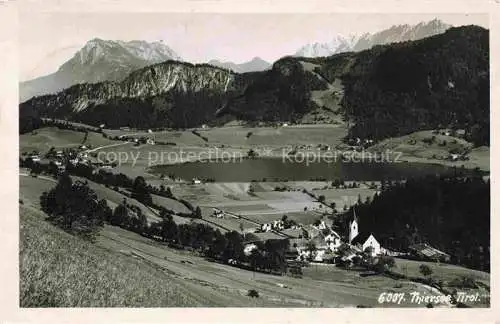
{"type": "Point", "coordinates": [349, 171]}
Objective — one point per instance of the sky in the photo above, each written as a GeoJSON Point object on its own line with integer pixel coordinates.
{"type": "Point", "coordinates": [49, 39]}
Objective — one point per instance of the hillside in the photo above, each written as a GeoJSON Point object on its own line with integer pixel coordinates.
{"type": "Point", "coordinates": [60, 270]}
{"type": "Point", "coordinates": [390, 90]}
{"type": "Point", "coordinates": [441, 81]}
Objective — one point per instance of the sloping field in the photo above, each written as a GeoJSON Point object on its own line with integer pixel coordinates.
{"type": "Point", "coordinates": [441, 271]}
{"type": "Point", "coordinates": [60, 270]}
{"type": "Point", "coordinates": [178, 137]}
{"type": "Point", "coordinates": [301, 217]}
{"type": "Point", "coordinates": [280, 136]}
{"type": "Point", "coordinates": [45, 138]}
{"type": "Point", "coordinates": [343, 197]}
{"type": "Point", "coordinates": [414, 149]}
{"type": "Point", "coordinates": [116, 197]}
{"type": "Point", "coordinates": [170, 204]}
{"type": "Point", "coordinates": [30, 189]}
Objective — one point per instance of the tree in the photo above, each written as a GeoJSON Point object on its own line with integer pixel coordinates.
{"type": "Point", "coordinates": [169, 230]}
{"type": "Point", "coordinates": [321, 199]}
{"type": "Point", "coordinates": [311, 247]}
{"type": "Point", "coordinates": [425, 270]}
{"type": "Point", "coordinates": [385, 262]}
{"type": "Point", "coordinates": [120, 215]}
{"type": "Point", "coordinates": [253, 293]}
{"type": "Point", "coordinates": [234, 248]}
{"type": "Point", "coordinates": [251, 154]}
{"type": "Point", "coordinates": [36, 169]}
{"type": "Point", "coordinates": [140, 191]}
{"type": "Point", "coordinates": [168, 192]}
{"type": "Point", "coordinates": [197, 212]}
{"type": "Point", "coordinates": [74, 207]}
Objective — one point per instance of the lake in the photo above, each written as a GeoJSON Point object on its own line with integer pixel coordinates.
{"type": "Point", "coordinates": [277, 169]}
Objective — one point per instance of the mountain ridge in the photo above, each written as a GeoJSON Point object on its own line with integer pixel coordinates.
{"type": "Point", "coordinates": [98, 60]}
{"type": "Point", "coordinates": [356, 43]}
{"type": "Point", "coordinates": [256, 64]}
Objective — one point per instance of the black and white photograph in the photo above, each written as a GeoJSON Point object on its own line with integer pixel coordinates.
{"type": "Point", "coordinates": [254, 160]}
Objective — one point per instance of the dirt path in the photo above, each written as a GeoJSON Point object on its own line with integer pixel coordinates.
{"type": "Point", "coordinates": [38, 176]}
{"type": "Point", "coordinates": [105, 146]}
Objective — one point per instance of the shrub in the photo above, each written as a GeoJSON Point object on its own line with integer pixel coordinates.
{"type": "Point", "coordinates": [253, 293]}
{"type": "Point", "coordinates": [425, 270]}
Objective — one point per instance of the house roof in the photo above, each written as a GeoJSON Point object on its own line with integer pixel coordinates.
{"type": "Point", "coordinates": [319, 242]}
{"type": "Point", "coordinates": [427, 250]}
{"type": "Point", "coordinates": [293, 232]}
{"type": "Point", "coordinates": [333, 233]}
{"type": "Point", "coordinates": [312, 231]}
{"type": "Point", "coordinates": [263, 236]}
{"type": "Point", "coordinates": [361, 237]}
{"type": "Point", "coordinates": [300, 242]}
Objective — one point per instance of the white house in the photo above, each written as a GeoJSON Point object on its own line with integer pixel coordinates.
{"type": "Point", "coordinates": [333, 241]}
{"type": "Point", "coordinates": [266, 227]}
{"type": "Point", "coordinates": [196, 181]}
{"type": "Point", "coordinates": [35, 158]}
{"type": "Point", "coordinates": [321, 225]}
{"type": "Point", "coordinates": [218, 213]}
{"type": "Point", "coordinates": [278, 225]}
{"type": "Point", "coordinates": [247, 250]}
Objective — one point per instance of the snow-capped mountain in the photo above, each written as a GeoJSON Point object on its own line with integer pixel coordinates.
{"type": "Point", "coordinates": [99, 60]}
{"type": "Point", "coordinates": [399, 33]}
{"type": "Point", "coordinates": [254, 65]}
{"type": "Point", "coordinates": [337, 45]}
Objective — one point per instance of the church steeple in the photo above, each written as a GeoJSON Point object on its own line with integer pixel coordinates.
{"type": "Point", "coordinates": [353, 226]}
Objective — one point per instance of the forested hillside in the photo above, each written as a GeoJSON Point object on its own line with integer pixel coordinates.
{"type": "Point", "coordinates": [440, 81]}
{"type": "Point", "coordinates": [451, 214]}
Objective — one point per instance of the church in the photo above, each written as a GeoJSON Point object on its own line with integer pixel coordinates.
{"type": "Point", "coordinates": [362, 240]}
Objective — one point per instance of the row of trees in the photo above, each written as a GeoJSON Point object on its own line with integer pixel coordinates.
{"type": "Point", "coordinates": [74, 207]}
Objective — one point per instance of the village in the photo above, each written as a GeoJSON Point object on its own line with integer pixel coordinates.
{"type": "Point", "coordinates": [320, 243]}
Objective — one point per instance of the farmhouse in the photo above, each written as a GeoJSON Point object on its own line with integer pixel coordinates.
{"type": "Point", "coordinates": [277, 225]}
{"type": "Point", "coordinates": [427, 252]}
{"type": "Point", "coordinates": [293, 232]}
{"type": "Point", "coordinates": [333, 241]}
{"type": "Point", "coordinates": [247, 250]}
{"type": "Point", "coordinates": [35, 158]}
{"type": "Point", "coordinates": [218, 213]}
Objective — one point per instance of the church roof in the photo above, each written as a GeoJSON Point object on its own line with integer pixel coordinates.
{"type": "Point", "coordinates": [361, 238]}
